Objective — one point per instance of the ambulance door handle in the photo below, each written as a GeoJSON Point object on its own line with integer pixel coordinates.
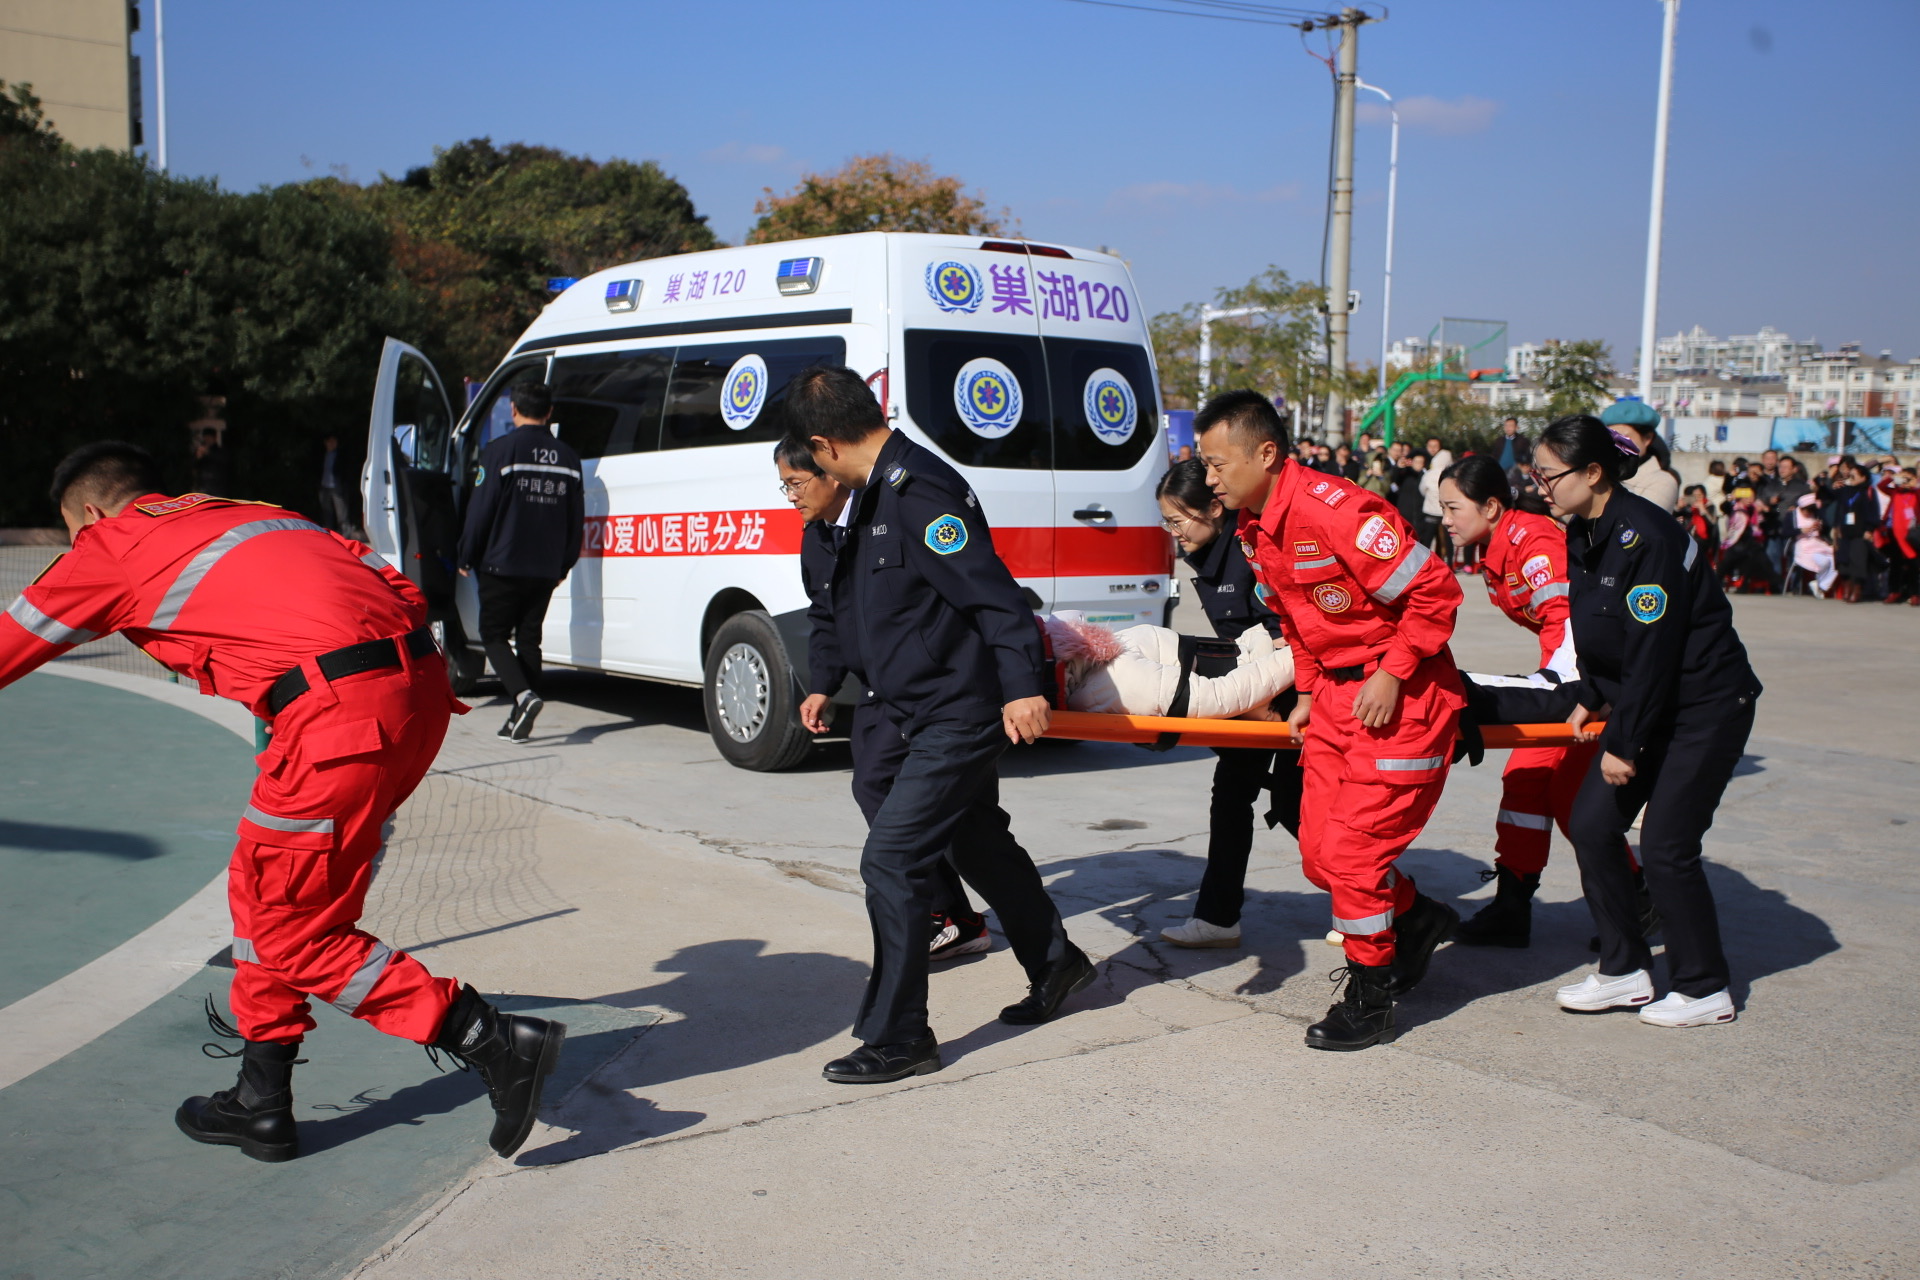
{"type": "Point", "coordinates": [1094, 512]}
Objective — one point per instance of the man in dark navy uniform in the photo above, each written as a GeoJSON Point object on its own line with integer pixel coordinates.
{"type": "Point", "coordinates": [930, 619]}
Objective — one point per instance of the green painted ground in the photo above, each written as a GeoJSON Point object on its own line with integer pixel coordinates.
{"type": "Point", "coordinates": [114, 809]}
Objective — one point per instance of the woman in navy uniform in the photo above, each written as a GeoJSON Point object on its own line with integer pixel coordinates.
{"type": "Point", "coordinates": [1225, 587]}
{"type": "Point", "coordinates": [1660, 662]}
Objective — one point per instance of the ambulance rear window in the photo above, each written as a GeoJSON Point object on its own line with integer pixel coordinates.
{"type": "Point", "coordinates": [982, 397]}
{"type": "Point", "coordinates": [1105, 410]}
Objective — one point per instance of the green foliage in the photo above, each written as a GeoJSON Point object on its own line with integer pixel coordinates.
{"type": "Point", "coordinates": [23, 125]}
{"type": "Point", "coordinates": [1574, 375]}
{"type": "Point", "coordinates": [873, 193]}
{"type": "Point", "coordinates": [479, 231]}
{"type": "Point", "coordinates": [1270, 352]}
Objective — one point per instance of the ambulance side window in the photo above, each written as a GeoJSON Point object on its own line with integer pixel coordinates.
{"type": "Point", "coordinates": [943, 366]}
{"type": "Point", "coordinates": [493, 415]}
{"type": "Point", "coordinates": [609, 403]}
{"type": "Point", "coordinates": [420, 425]}
{"type": "Point", "coordinates": [1105, 413]}
{"type": "Point", "coordinates": [736, 392]}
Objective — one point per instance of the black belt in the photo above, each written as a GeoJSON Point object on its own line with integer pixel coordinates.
{"type": "Point", "coordinates": [370, 655]}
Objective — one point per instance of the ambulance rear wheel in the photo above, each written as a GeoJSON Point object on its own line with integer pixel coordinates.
{"type": "Point", "coordinates": [751, 698]}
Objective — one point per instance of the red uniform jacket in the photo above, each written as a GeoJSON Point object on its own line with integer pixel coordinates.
{"type": "Point", "coordinates": [1348, 578]}
{"type": "Point", "coordinates": [1526, 573]}
{"type": "Point", "coordinates": [231, 594]}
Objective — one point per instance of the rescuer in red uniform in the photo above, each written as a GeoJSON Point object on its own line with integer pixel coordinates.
{"type": "Point", "coordinates": [323, 639]}
{"type": "Point", "coordinates": [1368, 611]}
{"type": "Point", "coordinates": [1526, 574]}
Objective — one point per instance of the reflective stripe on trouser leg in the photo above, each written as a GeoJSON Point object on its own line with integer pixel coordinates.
{"type": "Point", "coordinates": [360, 985]}
{"type": "Point", "coordinates": [243, 950]}
{"type": "Point", "coordinates": [1523, 827]}
{"type": "Point", "coordinates": [1367, 927]}
{"type": "Point", "coordinates": [1531, 821]}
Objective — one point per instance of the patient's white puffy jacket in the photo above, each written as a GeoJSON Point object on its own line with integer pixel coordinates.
{"type": "Point", "coordinates": [1137, 671]}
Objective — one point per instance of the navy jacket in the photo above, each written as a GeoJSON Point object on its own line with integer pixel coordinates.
{"type": "Point", "coordinates": [819, 548]}
{"type": "Point", "coordinates": [918, 607]}
{"type": "Point", "coordinates": [527, 516]}
{"type": "Point", "coordinates": [1224, 582]}
{"type": "Point", "coordinates": [1652, 626]}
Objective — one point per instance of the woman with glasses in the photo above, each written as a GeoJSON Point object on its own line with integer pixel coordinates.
{"type": "Point", "coordinates": [1660, 663]}
{"type": "Point", "coordinates": [1225, 586]}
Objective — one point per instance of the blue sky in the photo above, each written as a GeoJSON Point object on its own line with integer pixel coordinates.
{"type": "Point", "coordinates": [1195, 149]}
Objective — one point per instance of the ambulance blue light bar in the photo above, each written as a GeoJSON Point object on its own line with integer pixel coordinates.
{"type": "Point", "coordinates": [798, 275]}
{"type": "Point", "coordinates": [560, 284]}
{"type": "Point", "coordinates": [623, 295]}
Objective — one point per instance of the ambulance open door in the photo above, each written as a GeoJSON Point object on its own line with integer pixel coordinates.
{"type": "Point", "coordinates": [407, 487]}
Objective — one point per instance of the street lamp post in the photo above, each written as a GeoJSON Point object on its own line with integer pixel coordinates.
{"type": "Point", "coordinates": [1393, 185]}
{"type": "Point", "coordinates": [1650, 302]}
{"type": "Point", "coordinates": [160, 77]}
{"type": "Point", "coordinates": [1207, 316]}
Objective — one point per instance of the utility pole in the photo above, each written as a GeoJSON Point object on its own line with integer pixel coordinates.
{"type": "Point", "coordinates": [1650, 302]}
{"type": "Point", "coordinates": [1340, 252]}
{"type": "Point", "coordinates": [160, 77]}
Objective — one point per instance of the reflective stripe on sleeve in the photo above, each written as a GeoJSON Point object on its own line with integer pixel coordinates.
{"type": "Point", "coordinates": [1409, 766]}
{"type": "Point", "coordinates": [539, 466]}
{"type": "Point", "coordinates": [360, 985]}
{"type": "Point", "coordinates": [1315, 564]}
{"type": "Point", "coordinates": [1693, 553]}
{"type": "Point", "coordinates": [243, 950]}
{"type": "Point", "coordinates": [1367, 927]}
{"type": "Point", "coordinates": [374, 561]}
{"type": "Point", "coordinates": [273, 822]}
{"type": "Point", "coordinates": [52, 630]}
{"type": "Point", "coordinates": [1552, 591]}
{"type": "Point", "coordinates": [1531, 821]}
{"type": "Point", "coordinates": [1395, 586]}
{"type": "Point", "coordinates": [176, 597]}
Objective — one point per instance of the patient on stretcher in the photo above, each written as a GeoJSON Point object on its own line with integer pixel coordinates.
{"type": "Point", "coordinates": [1137, 670]}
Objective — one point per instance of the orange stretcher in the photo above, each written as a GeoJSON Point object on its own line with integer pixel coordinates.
{"type": "Point", "coordinates": [1191, 732]}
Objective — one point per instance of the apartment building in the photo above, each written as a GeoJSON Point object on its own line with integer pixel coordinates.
{"type": "Point", "coordinates": [78, 57]}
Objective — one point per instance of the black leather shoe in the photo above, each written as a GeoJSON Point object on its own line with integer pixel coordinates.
{"type": "Point", "coordinates": [1424, 926]}
{"type": "Point", "coordinates": [880, 1063]}
{"type": "Point", "coordinates": [1507, 921]}
{"type": "Point", "coordinates": [256, 1115]}
{"type": "Point", "coordinates": [514, 1055]}
{"type": "Point", "coordinates": [1363, 1016]}
{"type": "Point", "coordinates": [1044, 998]}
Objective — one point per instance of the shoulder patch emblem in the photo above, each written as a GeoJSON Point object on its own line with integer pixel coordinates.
{"type": "Point", "coordinates": [947, 535]}
{"type": "Point", "coordinates": [1647, 603]}
{"type": "Point", "coordinates": [1328, 492]}
{"type": "Point", "coordinates": [172, 505]}
{"type": "Point", "coordinates": [1538, 572]}
{"type": "Point", "coordinates": [1332, 598]}
{"type": "Point", "coordinates": [1515, 534]}
{"type": "Point", "coordinates": [1378, 539]}
{"type": "Point", "coordinates": [1629, 538]}
{"type": "Point", "coordinates": [1306, 548]}
{"type": "Point", "coordinates": [1513, 581]}
{"type": "Point", "coordinates": [896, 476]}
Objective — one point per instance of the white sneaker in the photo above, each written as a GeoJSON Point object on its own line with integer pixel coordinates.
{"type": "Point", "coordinates": [1689, 1011]}
{"type": "Point", "coordinates": [1597, 992]}
{"type": "Point", "coordinates": [1198, 933]}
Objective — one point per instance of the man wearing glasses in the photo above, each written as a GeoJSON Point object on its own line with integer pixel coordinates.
{"type": "Point", "coordinates": [878, 747]}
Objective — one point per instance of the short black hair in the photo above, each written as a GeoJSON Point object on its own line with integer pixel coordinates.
{"type": "Point", "coordinates": [1581, 440]}
{"type": "Point", "coordinates": [532, 399]}
{"type": "Point", "coordinates": [795, 456]}
{"type": "Point", "coordinates": [1247, 413]}
{"type": "Point", "coordinates": [104, 473]}
{"type": "Point", "coordinates": [834, 402]}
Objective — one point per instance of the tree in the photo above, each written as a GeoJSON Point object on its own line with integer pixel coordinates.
{"type": "Point", "coordinates": [873, 193]}
{"type": "Point", "coordinates": [1271, 351]}
{"type": "Point", "coordinates": [23, 124]}
{"type": "Point", "coordinates": [481, 230]}
{"type": "Point", "coordinates": [1574, 375]}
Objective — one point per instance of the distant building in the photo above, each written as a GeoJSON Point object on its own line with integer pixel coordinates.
{"type": "Point", "coordinates": [1522, 359]}
{"type": "Point", "coordinates": [1409, 353]}
{"type": "Point", "coordinates": [1848, 382]}
{"type": "Point", "coordinates": [1744, 355]}
{"type": "Point", "coordinates": [77, 56]}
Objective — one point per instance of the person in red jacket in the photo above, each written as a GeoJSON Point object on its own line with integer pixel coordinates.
{"type": "Point", "coordinates": [327, 642]}
{"type": "Point", "coordinates": [1368, 611]}
{"type": "Point", "coordinates": [1903, 536]}
{"type": "Point", "coordinates": [1526, 574]}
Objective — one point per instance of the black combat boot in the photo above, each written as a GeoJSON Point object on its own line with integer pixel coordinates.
{"type": "Point", "coordinates": [514, 1055]}
{"type": "Point", "coordinates": [1363, 1016]}
{"type": "Point", "coordinates": [1507, 921]}
{"type": "Point", "coordinates": [256, 1115]}
{"type": "Point", "coordinates": [1416, 932]}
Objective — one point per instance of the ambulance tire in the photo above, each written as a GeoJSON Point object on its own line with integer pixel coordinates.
{"type": "Point", "coordinates": [752, 699]}
{"type": "Point", "coordinates": [465, 664]}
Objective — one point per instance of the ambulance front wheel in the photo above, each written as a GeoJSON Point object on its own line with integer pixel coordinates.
{"type": "Point", "coordinates": [751, 696]}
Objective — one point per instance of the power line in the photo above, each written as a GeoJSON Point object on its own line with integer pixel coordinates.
{"type": "Point", "coordinates": [1274, 17]}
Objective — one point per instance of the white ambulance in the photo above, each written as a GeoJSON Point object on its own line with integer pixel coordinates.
{"type": "Point", "coordinates": [1026, 365]}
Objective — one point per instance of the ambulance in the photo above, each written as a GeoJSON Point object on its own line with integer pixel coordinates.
{"type": "Point", "coordinates": [1025, 365]}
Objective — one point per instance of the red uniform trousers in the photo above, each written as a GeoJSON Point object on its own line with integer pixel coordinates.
{"type": "Point", "coordinates": [1537, 791]}
{"type": "Point", "coordinates": [345, 756]}
{"type": "Point", "coordinates": [1367, 793]}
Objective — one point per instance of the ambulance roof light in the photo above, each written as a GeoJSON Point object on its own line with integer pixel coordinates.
{"type": "Point", "coordinates": [798, 275]}
{"type": "Point", "coordinates": [560, 284]}
{"type": "Point", "coordinates": [1024, 246]}
{"type": "Point", "coordinates": [624, 295]}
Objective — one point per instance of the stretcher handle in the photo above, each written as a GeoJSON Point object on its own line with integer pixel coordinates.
{"type": "Point", "coordinates": [1093, 726]}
